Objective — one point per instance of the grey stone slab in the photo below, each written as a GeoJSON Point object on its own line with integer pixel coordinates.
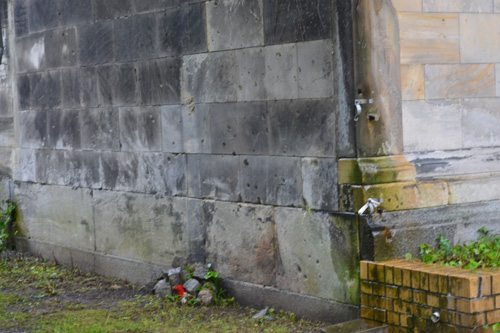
{"type": "Point", "coordinates": [110, 9]}
{"type": "Point", "coordinates": [83, 169]}
{"type": "Point", "coordinates": [163, 174]}
{"type": "Point", "coordinates": [284, 182]}
{"type": "Point", "coordinates": [250, 74]}
{"type": "Point", "coordinates": [121, 171]}
{"type": "Point", "coordinates": [197, 230]}
{"type": "Point", "coordinates": [140, 129]}
{"type": "Point", "coordinates": [240, 241]}
{"type": "Point", "coordinates": [280, 79]}
{"type": "Point", "coordinates": [318, 254]}
{"type": "Point", "coordinates": [302, 128]}
{"type": "Point", "coordinates": [477, 6]}
{"type": "Point", "coordinates": [31, 53]}
{"type": "Point", "coordinates": [239, 128]}
{"type": "Point", "coordinates": [95, 43]}
{"type": "Point", "coordinates": [182, 30]}
{"type": "Point", "coordinates": [135, 37]}
{"type": "Point", "coordinates": [60, 221]}
{"type": "Point", "coordinates": [21, 18]}
{"type": "Point", "coordinates": [24, 166]}
{"type": "Point", "coordinates": [64, 129]}
{"type": "Point", "coordinates": [315, 69]}
{"type": "Point", "coordinates": [254, 173]}
{"type": "Point", "coordinates": [51, 167]}
{"type": "Point", "coordinates": [151, 5]}
{"type": "Point", "coordinates": [319, 189]}
{"type": "Point", "coordinates": [117, 84]}
{"type": "Point", "coordinates": [88, 87]}
{"type": "Point", "coordinates": [7, 138]}
{"type": "Point", "coordinates": [100, 129]}
{"type": "Point", "coordinates": [24, 92]}
{"type": "Point", "coordinates": [79, 88]}
{"type": "Point", "coordinates": [43, 15]}
{"type": "Point", "coordinates": [160, 81]}
{"type": "Point", "coordinates": [141, 227]}
{"type": "Point", "coordinates": [6, 102]}
{"type": "Point", "coordinates": [171, 122]}
{"type": "Point", "coordinates": [33, 129]}
{"type": "Point", "coordinates": [213, 177]}
{"type": "Point", "coordinates": [234, 25]}
{"type": "Point", "coordinates": [46, 90]}
{"type": "Point", "coordinates": [295, 21]}
{"type": "Point", "coordinates": [480, 122]}
{"type": "Point", "coordinates": [76, 12]}
{"type": "Point", "coordinates": [496, 5]}
{"type": "Point", "coordinates": [60, 48]}
{"type": "Point", "coordinates": [196, 128]}
{"type": "Point", "coordinates": [210, 77]}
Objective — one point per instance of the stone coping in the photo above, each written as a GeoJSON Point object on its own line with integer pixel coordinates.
{"type": "Point", "coordinates": [404, 294]}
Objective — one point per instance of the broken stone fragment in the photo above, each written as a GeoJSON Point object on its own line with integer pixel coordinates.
{"type": "Point", "coordinates": [191, 286]}
{"type": "Point", "coordinates": [148, 288]}
{"type": "Point", "coordinates": [174, 276]}
{"type": "Point", "coordinates": [206, 296]}
{"type": "Point", "coordinates": [163, 289]}
{"type": "Point", "coordinates": [200, 271]}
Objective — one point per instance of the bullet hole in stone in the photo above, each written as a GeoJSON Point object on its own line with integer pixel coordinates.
{"type": "Point", "coordinates": [202, 141]}
{"type": "Point", "coordinates": [360, 92]}
{"type": "Point", "coordinates": [173, 142]}
{"type": "Point", "coordinates": [371, 118]}
{"type": "Point", "coordinates": [317, 261]}
{"type": "Point", "coordinates": [248, 185]}
{"type": "Point", "coordinates": [168, 159]}
{"type": "Point", "coordinates": [245, 162]}
{"type": "Point", "coordinates": [255, 187]}
{"type": "Point", "coordinates": [305, 276]}
{"type": "Point", "coordinates": [298, 268]}
{"type": "Point", "coordinates": [223, 144]}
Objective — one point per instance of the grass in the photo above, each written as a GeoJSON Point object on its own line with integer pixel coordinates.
{"type": "Point", "coordinates": [40, 296]}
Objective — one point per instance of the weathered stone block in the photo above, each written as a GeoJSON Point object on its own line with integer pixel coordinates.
{"type": "Point", "coordinates": [95, 42]}
{"type": "Point", "coordinates": [442, 5]}
{"type": "Point", "coordinates": [120, 171]}
{"type": "Point", "coordinates": [477, 6]}
{"type": "Point", "coordinates": [474, 190]}
{"type": "Point", "coordinates": [200, 71]}
{"type": "Point", "coordinates": [412, 82]}
{"type": "Point", "coordinates": [240, 128]}
{"type": "Point", "coordinates": [31, 55]}
{"type": "Point", "coordinates": [141, 227]}
{"type": "Point", "coordinates": [480, 121]}
{"type": "Point", "coordinates": [171, 122]}
{"type": "Point", "coordinates": [183, 30]}
{"type": "Point", "coordinates": [110, 9]}
{"type": "Point", "coordinates": [496, 6]}
{"type": "Point", "coordinates": [149, 5]}
{"type": "Point", "coordinates": [6, 102]}
{"type": "Point", "coordinates": [234, 25]}
{"type": "Point", "coordinates": [140, 129]}
{"type": "Point", "coordinates": [476, 47]}
{"type": "Point", "coordinates": [159, 81]}
{"type": "Point", "coordinates": [428, 38]}
{"type": "Point", "coordinates": [197, 232]}
{"type": "Point", "coordinates": [24, 92]}
{"type": "Point", "coordinates": [250, 74]}
{"type": "Point", "coordinates": [196, 128]}
{"type": "Point", "coordinates": [254, 173]}
{"type": "Point", "coordinates": [318, 254]}
{"type": "Point", "coordinates": [213, 177]}
{"type": "Point", "coordinates": [76, 12]}
{"type": "Point", "coordinates": [43, 14]}
{"type": "Point", "coordinates": [455, 81]}
{"type": "Point", "coordinates": [443, 132]}
{"type": "Point", "coordinates": [407, 5]}
{"type": "Point", "coordinates": [51, 167]}
{"type": "Point", "coordinates": [7, 138]}
{"type": "Point", "coordinates": [497, 72]}
{"type": "Point", "coordinates": [191, 286]}
{"type": "Point", "coordinates": [100, 129]}
{"type": "Point", "coordinates": [315, 68]}
{"type": "Point", "coordinates": [33, 129]}
{"type": "Point", "coordinates": [117, 84]}
{"type": "Point", "coordinates": [135, 37]}
{"type": "Point", "coordinates": [60, 48]}
{"type": "Point", "coordinates": [163, 174]}
{"type": "Point", "coordinates": [319, 177]}
{"type": "Point", "coordinates": [295, 129]}
{"type": "Point", "coordinates": [83, 168]}
{"type": "Point", "coordinates": [21, 17]}
{"type": "Point", "coordinates": [24, 165]}
{"type": "Point", "coordinates": [45, 90]}
{"type": "Point", "coordinates": [294, 21]}
{"type": "Point", "coordinates": [59, 222]}
{"type": "Point", "coordinates": [64, 129]}
{"type": "Point", "coordinates": [280, 78]}
{"type": "Point", "coordinates": [79, 88]}
{"type": "Point", "coordinates": [240, 241]}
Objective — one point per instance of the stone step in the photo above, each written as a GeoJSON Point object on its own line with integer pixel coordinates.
{"type": "Point", "coordinates": [473, 188]}
{"type": "Point", "coordinates": [354, 326]}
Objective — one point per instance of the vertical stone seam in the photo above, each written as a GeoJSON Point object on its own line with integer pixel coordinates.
{"type": "Point", "coordinates": [12, 69]}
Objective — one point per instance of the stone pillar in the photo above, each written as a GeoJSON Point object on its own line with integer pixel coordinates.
{"type": "Point", "coordinates": [381, 171]}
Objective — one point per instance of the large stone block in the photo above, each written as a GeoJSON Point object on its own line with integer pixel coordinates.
{"type": "Point", "coordinates": [442, 133]}
{"type": "Point", "coordinates": [479, 47]}
{"type": "Point", "coordinates": [159, 81]}
{"type": "Point", "coordinates": [150, 5]}
{"type": "Point", "coordinates": [496, 5]}
{"type": "Point", "coordinates": [79, 88]}
{"type": "Point", "coordinates": [163, 174]}
{"type": "Point", "coordinates": [121, 172]}
{"type": "Point", "coordinates": [24, 165]}
{"type": "Point", "coordinates": [474, 189]}
{"type": "Point", "coordinates": [21, 17]}
{"type": "Point", "coordinates": [64, 129]}
{"type": "Point", "coordinates": [315, 69]}
{"type": "Point", "coordinates": [280, 78]}
{"type": "Point", "coordinates": [477, 6]}
{"type": "Point", "coordinates": [234, 25]}
{"type": "Point", "coordinates": [43, 14]}
{"type": "Point", "coordinates": [429, 38]}
{"type": "Point", "coordinates": [296, 21]}
{"type": "Point", "coordinates": [250, 74]}
{"type": "Point", "coordinates": [480, 121]}
{"type": "Point", "coordinates": [24, 92]}
{"type": "Point", "coordinates": [45, 90]}
{"type": "Point", "coordinates": [51, 167]}
{"type": "Point", "coordinates": [213, 177]}
{"type": "Point", "coordinates": [302, 128]}
{"type": "Point", "coordinates": [6, 164]}
{"type": "Point", "coordinates": [171, 122]}
{"type": "Point", "coordinates": [31, 53]}
{"type": "Point", "coordinates": [442, 5]}
{"type": "Point", "coordinates": [197, 230]}
{"type": "Point", "coordinates": [110, 9]}
{"type": "Point", "coordinates": [6, 101]}
{"type": "Point", "coordinates": [49, 214]}
{"type": "Point", "coordinates": [210, 77]}
{"type": "Point", "coordinates": [60, 48]}
{"type": "Point", "coordinates": [240, 241]}
{"type": "Point", "coordinates": [318, 254]}
{"type": "Point", "coordinates": [100, 129]}
{"type": "Point", "coordinates": [135, 37]}
{"type": "Point", "coordinates": [33, 129]}
{"type": "Point", "coordinates": [182, 30]}
{"type": "Point", "coordinates": [142, 227]}
{"type": "Point", "coordinates": [455, 81]}
{"type": "Point", "coordinates": [83, 169]}
{"type": "Point", "coordinates": [140, 129]}
{"type": "Point", "coordinates": [117, 84]}
{"type": "Point", "coordinates": [95, 43]}
{"type": "Point", "coordinates": [412, 82]}
{"type": "Point", "coordinates": [407, 5]}
{"type": "Point", "coordinates": [196, 128]}
{"type": "Point", "coordinates": [76, 12]}
{"type": "Point", "coordinates": [319, 177]}
{"type": "Point", "coordinates": [7, 138]}
{"type": "Point", "coordinates": [239, 128]}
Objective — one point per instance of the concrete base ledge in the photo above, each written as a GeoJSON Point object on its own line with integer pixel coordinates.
{"type": "Point", "coordinates": [247, 294]}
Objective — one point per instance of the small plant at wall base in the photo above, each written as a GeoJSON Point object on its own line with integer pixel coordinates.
{"type": "Point", "coordinates": [485, 252]}
{"type": "Point", "coordinates": [5, 224]}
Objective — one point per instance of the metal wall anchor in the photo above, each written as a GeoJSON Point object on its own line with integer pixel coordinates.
{"type": "Point", "coordinates": [359, 103]}
{"type": "Point", "coordinates": [371, 204]}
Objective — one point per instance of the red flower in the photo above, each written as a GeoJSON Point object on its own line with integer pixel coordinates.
{"type": "Point", "coordinates": [180, 290]}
